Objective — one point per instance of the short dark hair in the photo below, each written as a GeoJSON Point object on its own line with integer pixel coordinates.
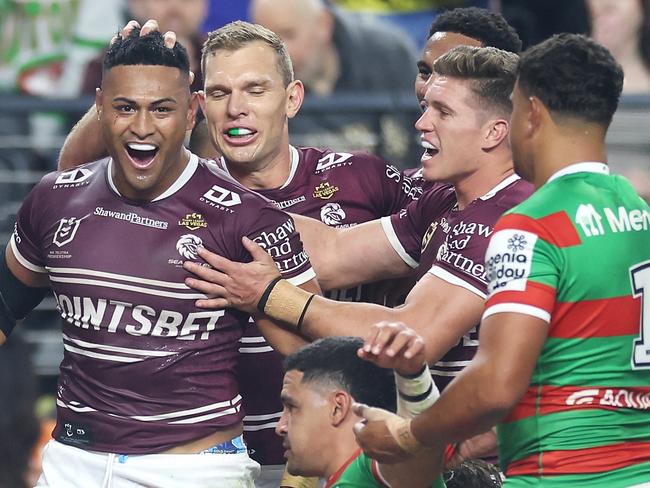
{"type": "Point", "coordinates": [573, 76]}
{"type": "Point", "coordinates": [491, 73]}
{"type": "Point", "coordinates": [474, 473]}
{"type": "Point", "coordinates": [334, 361]}
{"type": "Point", "coordinates": [491, 28]}
{"type": "Point", "coordinates": [146, 50]}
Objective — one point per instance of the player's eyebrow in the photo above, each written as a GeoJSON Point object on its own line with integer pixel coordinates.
{"type": "Point", "coordinates": [442, 106]}
{"type": "Point", "coordinates": [155, 102]}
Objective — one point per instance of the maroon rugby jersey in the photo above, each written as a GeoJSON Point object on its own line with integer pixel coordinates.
{"type": "Point", "coordinates": [144, 369]}
{"type": "Point", "coordinates": [341, 190]}
{"type": "Point", "coordinates": [451, 245]}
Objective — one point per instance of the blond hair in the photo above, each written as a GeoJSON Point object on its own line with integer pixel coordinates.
{"type": "Point", "coordinates": [238, 34]}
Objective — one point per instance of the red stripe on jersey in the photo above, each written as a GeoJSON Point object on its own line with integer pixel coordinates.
{"type": "Point", "coordinates": [536, 294]}
{"type": "Point", "coordinates": [563, 398]}
{"type": "Point", "coordinates": [578, 461]}
{"type": "Point", "coordinates": [335, 477]}
{"type": "Point", "coordinates": [374, 466]}
{"type": "Point", "coordinates": [596, 318]}
{"type": "Point", "coordinates": [555, 228]}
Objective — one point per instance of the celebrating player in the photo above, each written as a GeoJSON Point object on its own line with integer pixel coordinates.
{"type": "Point", "coordinates": [145, 372]}
{"type": "Point", "coordinates": [563, 363]}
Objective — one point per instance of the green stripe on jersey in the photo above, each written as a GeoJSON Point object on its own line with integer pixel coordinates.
{"type": "Point", "coordinates": [574, 429]}
{"type": "Point", "coordinates": [619, 478]}
{"type": "Point", "coordinates": [599, 361]}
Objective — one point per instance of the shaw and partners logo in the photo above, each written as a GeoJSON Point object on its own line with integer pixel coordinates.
{"type": "Point", "coordinates": [131, 217]}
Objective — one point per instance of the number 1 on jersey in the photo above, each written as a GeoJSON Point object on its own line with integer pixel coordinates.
{"type": "Point", "coordinates": [640, 276]}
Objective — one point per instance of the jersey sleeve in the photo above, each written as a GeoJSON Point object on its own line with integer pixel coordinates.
{"type": "Point", "coordinates": [397, 190]}
{"type": "Point", "coordinates": [406, 229]}
{"type": "Point", "coordinates": [25, 239]}
{"type": "Point", "coordinates": [523, 268]}
{"type": "Point", "coordinates": [275, 231]}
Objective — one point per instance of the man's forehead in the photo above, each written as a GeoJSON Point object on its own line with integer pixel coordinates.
{"type": "Point", "coordinates": [146, 80]}
{"type": "Point", "coordinates": [441, 42]}
{"type": "Point", "coordinates": [254, 60]}
{"type": "Point", "coordinates": [292, 379]}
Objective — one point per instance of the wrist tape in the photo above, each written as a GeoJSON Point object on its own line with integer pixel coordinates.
{"type": "Point", "coordinates": [400, 429]}
{"type": "Point", "coordinates": [283, 301]}
{"type": "Point", "coordinates": [415, 393]}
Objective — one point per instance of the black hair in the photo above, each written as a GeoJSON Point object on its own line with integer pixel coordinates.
{"type": "Point", "coordinates": [334, 360]}
{"type": "Point", "coordinates": [573, 76]}
{"type": "Point", "coordinates": [491, 28]}
{"type": "Point", "coordinates": [474, 473]}
{"type": "Point", "coordinates": [19, 427]}
{"type": "Point", "coordinates": [145, 50]}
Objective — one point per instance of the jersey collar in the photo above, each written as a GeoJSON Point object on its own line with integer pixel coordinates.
{"type": "Point", "coordinates": [586, 167]}
{"type": "Point", "coordinates": [335, 477]}
{"type": "Point", "coordinates": [187, 173]}
{"type": "Point", "coordinates": [500, 186]}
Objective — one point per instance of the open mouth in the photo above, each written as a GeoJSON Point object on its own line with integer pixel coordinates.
{"type": "Point", "coordinates": [141, 154]}
{"type": "Point", "coordinates": [240, 134]}
{"type": "Point", "coordinates": [429, 149]}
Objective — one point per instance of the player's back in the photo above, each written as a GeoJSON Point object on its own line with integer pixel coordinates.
{"type": "Point", "coordinates": [581, 244]}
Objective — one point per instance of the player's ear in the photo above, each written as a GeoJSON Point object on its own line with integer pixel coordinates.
{"type": "Point", "coordinates": [98, 101]}
{"type": "Point", "coordinates": [295, 96]}
{"type": "Point", "coordinates": [537, 114]}
{"type": "Point", "coordinates": [496, 132]}
{"type": "Point", "coordinates": [341, 407]}
{"type": "Point", "coordinates": [192, 110]}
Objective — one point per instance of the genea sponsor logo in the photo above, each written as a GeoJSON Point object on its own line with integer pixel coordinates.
{"type": "Point", "coordinates": [505, 267]}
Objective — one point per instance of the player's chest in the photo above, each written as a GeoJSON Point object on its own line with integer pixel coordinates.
{"type": "Point", "coordinates": [333, 201]}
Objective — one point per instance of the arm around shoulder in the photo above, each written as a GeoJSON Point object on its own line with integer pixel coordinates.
{"type": "Point", "coordinates": [84, 143]}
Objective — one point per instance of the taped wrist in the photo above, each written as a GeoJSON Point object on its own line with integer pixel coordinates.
{"type": "Point", "coordinates": [415, 393]}
{"type": "Point", "coordinates": [400, 429]}
{"type": "Point", "coordinates": [283, 301]}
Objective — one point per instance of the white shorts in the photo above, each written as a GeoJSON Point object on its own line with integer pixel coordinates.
{"type": "Point", "coordinates": [70, 467]}
{"type": "Point", "coordinates": [270, 476]}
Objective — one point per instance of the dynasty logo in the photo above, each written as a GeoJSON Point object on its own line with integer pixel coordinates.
{"type": "Point", "coordinates": [193, 221]}
{"type": "Point", "coordinates": [325, 191]}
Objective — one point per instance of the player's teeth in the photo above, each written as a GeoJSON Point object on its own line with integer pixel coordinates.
{"type": "Point", "coordinates": [426, 145]}
{"type": "Point", "coordinates": [239, 131]}
{"type": "Point", "coordinates": [141, 147]}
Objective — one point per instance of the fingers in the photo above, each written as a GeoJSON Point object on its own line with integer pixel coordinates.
{"type": "Point", "coordinates": [214, 260]}
{"type": "Point", "coordinates": [170, 42]}
{"type": "Point", "coordinates": [359, 409]}
{"type": "Point", "coordinates": [211, 275]}
{"type": "Point", "coordinates": [150, 26]}
{"type": "Point", "coordinates": [255, 250]}
{"type": "Point", "coordinates": [212, 303]}
{"type": "Point", "coordinates": [126, 30]}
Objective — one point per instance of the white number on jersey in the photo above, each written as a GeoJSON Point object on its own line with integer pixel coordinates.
{"type": "Point", "coordinates": [640, 276]}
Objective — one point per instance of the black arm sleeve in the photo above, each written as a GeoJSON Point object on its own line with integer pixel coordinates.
{"type": "Point", "coordinates": [16, 298]}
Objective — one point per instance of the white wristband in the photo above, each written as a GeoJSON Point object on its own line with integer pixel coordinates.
{"type": "Point", "coordinates": [415, 394]}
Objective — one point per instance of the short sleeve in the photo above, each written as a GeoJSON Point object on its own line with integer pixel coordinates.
{"type": "Point", "coordinates": [407, 228]}
{"type": "Point", "coordinates": [275, 231]}
{"type": "Point", "coordinates": [25, 240]}
{"type": "Point", "coordinates": [523, 269]}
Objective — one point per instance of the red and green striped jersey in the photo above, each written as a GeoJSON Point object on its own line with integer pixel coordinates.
{"type": "Point", "coordinates": [362, 472]}
{"type": "Point", "coordinates": [577, 255]}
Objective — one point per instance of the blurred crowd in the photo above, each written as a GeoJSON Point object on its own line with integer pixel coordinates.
{"type": "Point", "coordinates": [340, 49]}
